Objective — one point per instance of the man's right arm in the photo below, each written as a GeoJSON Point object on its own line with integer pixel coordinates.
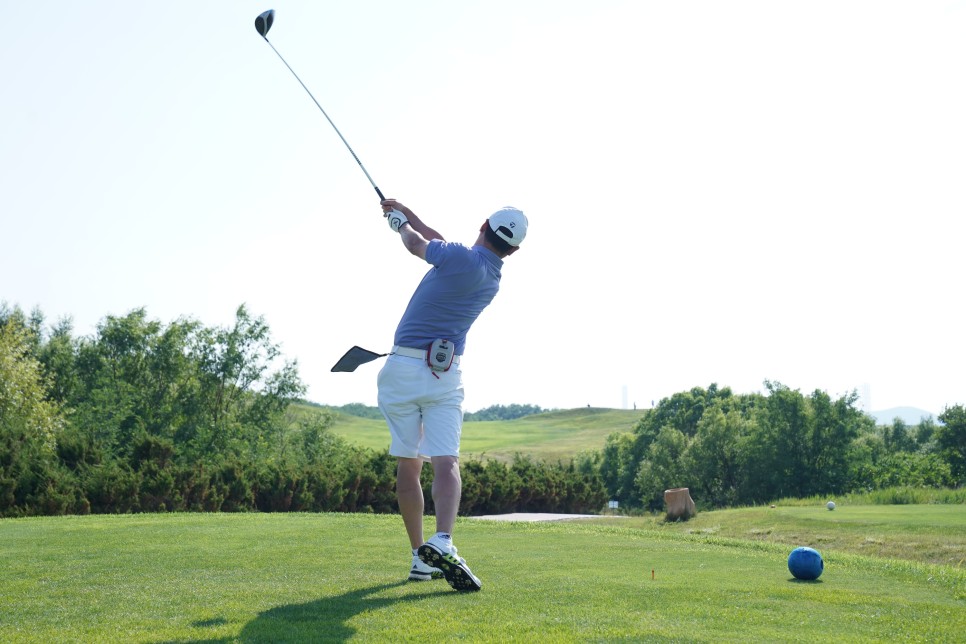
{"type": "Point", "coordinates": [415, 234]}
{"type": "Point", "coordinates": [427, 233]}
{"type": "Point", "coordinates": [414, 242]}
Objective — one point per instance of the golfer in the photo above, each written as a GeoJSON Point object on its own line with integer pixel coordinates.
{"type": "Point", "coordinates": [421, 385]}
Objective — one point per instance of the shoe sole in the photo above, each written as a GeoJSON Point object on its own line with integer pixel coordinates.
{"type": "Point", "coordinates": [457, 574]}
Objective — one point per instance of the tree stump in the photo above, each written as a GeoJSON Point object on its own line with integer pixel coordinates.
{"type": "Point", "coordinates": [680, 507]}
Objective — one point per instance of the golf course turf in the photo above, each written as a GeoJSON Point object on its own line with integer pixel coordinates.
{"type": "Point", "coordinates": [335, 577]}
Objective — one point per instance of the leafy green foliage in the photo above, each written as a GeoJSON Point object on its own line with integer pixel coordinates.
{"type": "Point", "coordinates": [26, 414]}
{"type": "Point", "coordinates": [503, 412]}
{"type": "Point", "coordinates": [951, 440]}
{"type": "Point", "coordinates": [146, 416]}
{"type": "Point", "coordinates": [30, 425]}
{"type": "Point", "coordinates": [527, 485]}
{"type": "Point", "coordinates": [734, 450]}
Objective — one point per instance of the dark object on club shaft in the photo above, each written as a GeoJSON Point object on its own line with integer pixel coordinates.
{"type": "Point", "coordinates": [262, 24]}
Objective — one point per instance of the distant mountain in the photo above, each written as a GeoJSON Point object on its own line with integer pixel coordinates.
{"type": "Point", "coordinates": [909, 415]}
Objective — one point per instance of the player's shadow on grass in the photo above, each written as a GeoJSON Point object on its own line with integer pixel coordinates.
{"type": "Point", "coordinates": [322, 620]}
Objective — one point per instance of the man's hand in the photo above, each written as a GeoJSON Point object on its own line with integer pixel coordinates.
{"type": "Point", "coordinates": [396, 219]}
{"type": "Point", "coordinates": [398, 214]}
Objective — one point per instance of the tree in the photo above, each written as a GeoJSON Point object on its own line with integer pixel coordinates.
{"type": "Point", "coordinates": [57, 357]}
{"type": "Point", "coordinates": [662, 468]}
{"type": "Point", "coordinates": [26, 413]}
{"type": "Point", "coordinates": [714, 459]}
{"type": "Point", "coordinates": [898, 437]}
{"type": "Point", "coordinates": [836, 425]}
{"type": "Point", "coordinates": [618, 467]}
{"type": "Point", "coordinates": [951, 440]}
{"type": "Point", "coordinates": [682, 411]}
{"type": "Point", "coordinates": [777, 453]}
{"type": "Point", "coordinates": [209, 391]}
{"type": "Point", "coordinates": [133, 376]}
{"type": "Point", "coordinates": [502, 412]}
{"type": "Point", "coordinates": [30, 424]}
{"type": "Point", "coordinates": [238, 392]}
{"type": "Point", "coordinates": [924, 433]}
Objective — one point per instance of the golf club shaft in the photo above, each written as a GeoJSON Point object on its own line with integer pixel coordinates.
{"type": "Point", "coordinates": [378, 191]}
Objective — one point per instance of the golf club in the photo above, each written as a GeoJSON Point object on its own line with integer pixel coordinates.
{"type": "Point", "coordinates": [262, 24]}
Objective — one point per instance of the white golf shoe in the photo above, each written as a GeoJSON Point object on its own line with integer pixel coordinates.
{"type": "Point", "coordinates": [422, 572]}
{"type": "Point", "coordinates": [441, 553]}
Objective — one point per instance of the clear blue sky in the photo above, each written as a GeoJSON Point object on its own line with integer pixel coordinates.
{"type": "Point", "coordinates": [718, 191]}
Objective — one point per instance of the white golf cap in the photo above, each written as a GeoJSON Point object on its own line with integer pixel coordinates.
{"type": "Point", "coordinates": [509, 224]}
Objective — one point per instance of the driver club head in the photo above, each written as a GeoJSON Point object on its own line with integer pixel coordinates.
{"type": "Point", "coordinates": [264, 22]}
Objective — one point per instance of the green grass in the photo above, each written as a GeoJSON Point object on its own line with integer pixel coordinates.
{"type": "Point", "coordinates": [933, 534]}
{"type": "Point", "coordinates": [898, 495]}
{"type": "Point", "coordinates": [338, 577]}
{"type": "Point", "coordinates": [557, 435]}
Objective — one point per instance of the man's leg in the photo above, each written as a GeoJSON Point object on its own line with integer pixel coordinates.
{"type": "Point", "coordinates": [409, 493]}
{"type": "Point", "coordinates": [447, 488]}
{"type": "Point", "coordinates": [439, 551]}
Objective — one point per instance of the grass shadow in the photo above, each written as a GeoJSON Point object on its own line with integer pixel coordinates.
{"type": "Point", "coordinates": [208, 623]}
{"type": "Point", "coordinates": [322, 620]}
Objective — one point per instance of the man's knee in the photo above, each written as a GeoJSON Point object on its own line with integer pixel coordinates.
{"type": "Point", "coordinates": [408, 470]}
{"type": "Point", "coordinates": [445, 463]}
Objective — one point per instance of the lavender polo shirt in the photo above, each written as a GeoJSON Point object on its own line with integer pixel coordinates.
{"type": "Point", "coordinates": [462, 282]}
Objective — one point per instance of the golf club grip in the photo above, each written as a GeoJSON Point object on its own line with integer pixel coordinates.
{"type": "Point", "coordinates": [379, 192]}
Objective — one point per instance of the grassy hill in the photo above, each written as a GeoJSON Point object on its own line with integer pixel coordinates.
{"type": "Point", "coordinates": [553, 435]}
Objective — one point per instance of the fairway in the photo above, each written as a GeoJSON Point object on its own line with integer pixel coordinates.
{"type": "Point", "coordinates": [553, 435]}
{"type": "Point", "coordinates": [338, 577]}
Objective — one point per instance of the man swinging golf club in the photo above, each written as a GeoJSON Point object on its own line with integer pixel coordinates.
{"type": "Point", "coordinates": [421, 385]}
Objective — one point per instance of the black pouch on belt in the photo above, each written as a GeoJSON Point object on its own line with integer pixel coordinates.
{"type": "Point", "coordinates": [440, 355]}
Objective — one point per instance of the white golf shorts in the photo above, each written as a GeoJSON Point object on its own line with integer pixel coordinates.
{"type": "Point", "coordinates": [423, 408]}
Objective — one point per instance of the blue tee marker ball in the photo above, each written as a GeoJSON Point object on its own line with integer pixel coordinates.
{"type": "Point", "coordinates": [805, 563]}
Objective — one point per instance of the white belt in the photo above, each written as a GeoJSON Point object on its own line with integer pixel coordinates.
{"type": "Point", "coordinates": [415, 353]}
